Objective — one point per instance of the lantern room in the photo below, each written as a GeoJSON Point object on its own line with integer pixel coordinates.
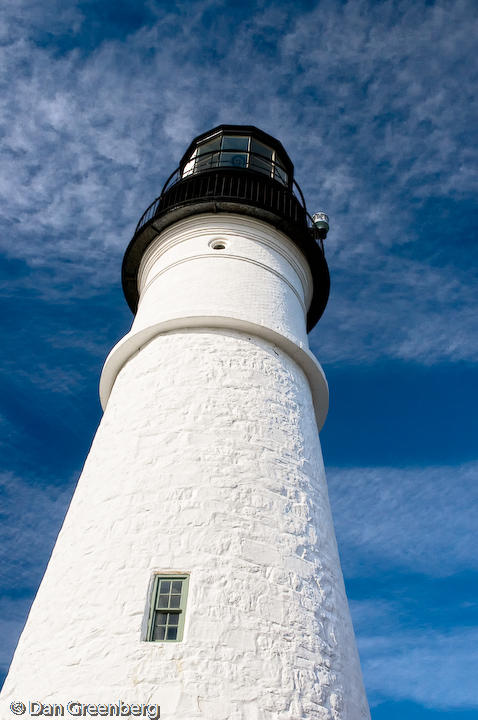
{"type": "Point", "coordinates": [241, 147]}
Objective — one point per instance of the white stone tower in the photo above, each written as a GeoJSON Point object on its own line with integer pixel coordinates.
{"type": "Point", "coordinates": [197, 567]}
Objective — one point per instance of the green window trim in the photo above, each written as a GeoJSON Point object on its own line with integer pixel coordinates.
{"type": "Point", "coordinates": [167, 608]}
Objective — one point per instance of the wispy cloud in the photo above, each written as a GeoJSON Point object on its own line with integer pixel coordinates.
{"type": "Point", "coordinates": [400, 308]}
{"type": "Point", "coordinates": [374, 102]}
{"type": "Point", "coordinates": [433, 669]}
{"type": "Point", "coordinates": [13, 613]}
{"type": "Point", "coordinates": [30, 519]}
{"type": "Point", "coordinates": [386, 74]}
{"type": "Point", "coordinates": [419, 519]}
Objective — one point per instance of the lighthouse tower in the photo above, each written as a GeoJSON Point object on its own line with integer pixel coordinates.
{"type": "Point", "coordinates": [197, 568]}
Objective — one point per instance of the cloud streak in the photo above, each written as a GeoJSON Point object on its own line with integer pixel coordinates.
{"type": "Point", "coordinates": [419, 519]}
{"type": "Point", "coordinates": [372, 101]}
{"type": "Point", "coordinates": [433, 669]}
{"type": "Point", "coordinates": [31, 518]}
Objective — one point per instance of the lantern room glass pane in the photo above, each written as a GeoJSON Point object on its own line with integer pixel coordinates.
{"type": "Point", "coordinates": [232, 159]}
{"type": "Point", "coordinates": [206, 156]}
{"type": "Point", "coordinates": [206, 162]}
{"type": "Point", "coordinates": [189, 167]}
{"type": "Point", "coordinates": [280, 174]}
{"type": "Point", "coordinates": [259, 148]}
{"type": "Point", "coordinates": [209, 146]}
{"type": "Point", "coordinates": [261, 157]}
{"type": "Point", "coordinates": [235, 142]}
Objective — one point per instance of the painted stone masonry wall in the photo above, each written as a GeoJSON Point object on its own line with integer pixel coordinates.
{"type": "Point", "coordinates": [207, 461]}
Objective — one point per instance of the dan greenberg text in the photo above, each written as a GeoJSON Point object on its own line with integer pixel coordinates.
{"type": "Point", "coordinates": [36, 708]}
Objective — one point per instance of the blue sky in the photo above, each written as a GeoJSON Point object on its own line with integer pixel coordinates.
{"type": "Point", "coordinates": [376, 104]}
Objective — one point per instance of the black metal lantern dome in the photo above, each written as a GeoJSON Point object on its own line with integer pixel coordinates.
{"type": "Point", "coordinates": [234, 169]}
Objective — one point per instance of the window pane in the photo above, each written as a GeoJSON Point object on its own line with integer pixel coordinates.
{"type": "Point", "coordinates": [206, 158]}
{"type": "Point", "coordinates": [177, 586]}
{"type": "Point", "coordinates": [206, 162]}
{"type": "Point", "coordinates": [234, 142]}
{"type": "Point", "coordinates": [175, 601]}
{"type": "Point", "coordinates": [159, 633]}
{"type": "Point", "coordinates": [165, 586]}
{"type": "Point", "coordinates": [231, 159]}
{"type": "Point", "coordinates": [163, 601]}
{"type": "Point", "coordinates": [261, 157]}
{"type": "Point", "coordinates": [281, 175]}
{"type": "Point", "coordinates": [260, 149]}
{"type": "Point", "coordinates": [173, 618]}
{"type": "Point", "coordinates": [172, 633]}
{"type": "Point", "coordinates": [161, 618]}
{"type": "Point", "coordinates": [261, 165]}
{"type": "Point", "coordinates": [189, 167]}
{"type": "Point", "coordinates": [209, 146]}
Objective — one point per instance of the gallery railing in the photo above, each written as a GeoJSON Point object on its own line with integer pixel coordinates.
{"type": "Point", "coordinates": [252, 179]}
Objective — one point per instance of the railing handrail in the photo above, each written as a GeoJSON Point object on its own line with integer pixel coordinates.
{"type": "Point", "coordinates": [178, 175]}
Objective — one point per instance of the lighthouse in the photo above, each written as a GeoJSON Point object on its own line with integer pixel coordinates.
{"type": "Point", "coordinates": [196, 574]}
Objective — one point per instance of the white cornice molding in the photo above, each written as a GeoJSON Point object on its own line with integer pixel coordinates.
{"type": "Point", "coordinates": [134, 341]}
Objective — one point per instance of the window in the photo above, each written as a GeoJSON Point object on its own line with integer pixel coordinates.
{"type": "Point", "coordinates": [236, 151]}
{"type": "Point", "coordinates": [234, 143]}
{"type": "Point", "coordinates": [211, 158]}
{"type": "Point", "coordinates": [168, 607]}
{"type": "Point", "coordinates": [261, 157]}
